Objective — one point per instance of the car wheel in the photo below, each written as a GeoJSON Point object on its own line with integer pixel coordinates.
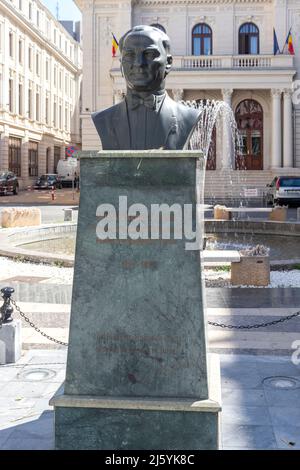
{"type": "Point", "coordinates": [16, 190]}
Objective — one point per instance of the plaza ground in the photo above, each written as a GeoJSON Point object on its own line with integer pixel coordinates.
{"type": "Point", "coordinates": [257, 413]}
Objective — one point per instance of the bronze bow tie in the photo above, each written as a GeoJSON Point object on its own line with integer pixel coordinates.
{"type": "Point", "coordinates": [150, 101]}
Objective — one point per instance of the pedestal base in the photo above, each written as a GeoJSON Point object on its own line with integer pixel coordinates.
{"type": "Point", "coordinates": [10, 342]}
{"type": "Point", "coordinates": [85, 422]}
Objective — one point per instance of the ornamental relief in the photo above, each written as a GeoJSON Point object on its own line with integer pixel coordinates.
{"type": "Point", "coordinates": [210, 20]}
{"type": "Point", "coordinates": [258, 20]}
{"type": "Point", "coordinates": [105, 29]}
{"type": "Point", "coordinates": [163, 20]}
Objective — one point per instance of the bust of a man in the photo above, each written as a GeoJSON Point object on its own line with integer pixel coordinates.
{"type": "Point", "coordinates": [147, 118]}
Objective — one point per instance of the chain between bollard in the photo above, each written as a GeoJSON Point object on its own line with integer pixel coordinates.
{"type": "Point", "coordinates": [257, 325]}
{"type": "Point", "coordinates": [220, 325]}
{"type": "Point", "coordinates": [62, 343]}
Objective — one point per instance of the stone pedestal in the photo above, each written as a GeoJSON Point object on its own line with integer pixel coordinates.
{"type": "Point", "coordinates": [251, 271]}
{"type": "Point", "coordinates": [137, 372]}
{"type": "Point", "coordinates": [220, 213]}
{"type": "Point", "coordinates": [10, 342]}
{"type": "Point", "coordinates": [278, 214]}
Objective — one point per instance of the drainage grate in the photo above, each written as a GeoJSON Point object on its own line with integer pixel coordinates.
{"type": "Point", "coordinates": [36, 375]}
{"type": "Point", "coordinates": [282, 383]}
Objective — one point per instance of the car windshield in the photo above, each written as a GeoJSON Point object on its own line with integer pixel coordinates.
{"type": "Point", "coordinates": [3, 174]}
{"type": "Point", "coordinates": [290, 182]}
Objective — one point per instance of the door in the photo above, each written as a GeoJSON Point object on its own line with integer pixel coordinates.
{"type": "Point", "coordinates": [249, 118]}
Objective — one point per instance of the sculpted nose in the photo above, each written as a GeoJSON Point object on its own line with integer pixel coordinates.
{"type": "Point", "coordinates": [138, 60]}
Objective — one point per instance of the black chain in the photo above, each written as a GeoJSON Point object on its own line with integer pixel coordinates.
{"type": "Point", "coordinates": [220, 325]}
{"type": "Point", "coordinates": [257, 325]}
{"type": "Point", "coordinates": [35, 327]}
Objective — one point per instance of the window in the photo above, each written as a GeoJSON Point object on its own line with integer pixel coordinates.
{"type": "Point", "coordinates": [66, 83]}
{"type": "Point", "coordinates": [60, 116]}
{"type": "Point", "coordinates": [249, 39]}
{"type": "Point", "coordinates": [14, 155]}
{"type": "Point", "coordinates": [60, 79]}
{"type": "Point", "coordinates": [158, 26]}
{"type": "Point", "coordinates": [11, 44]}
{"type": "Point", "coordinates": [47, 110]}
{"type": "Point", "coordinates": [30, 103]}
{"type": "Point", "coordinates": [55, 75]}
{"type": "Point", "coordinates": [47, 69]}
{"type": "Point", "coordinates": [20, 51]}
{"type": "Point", "coordinates": [202, 40]}
{"type": "Point", "coordinates": [20, 5]}
{"type": "Point", "coordinates": [54, 114]}
{"type": "Point", "coordinates": [11, 95]}
{"type": "Point", "coordinates": [32, 158]}
{"type": "Point", "coordinates": [37, 107]}
{"type": "Point", "coordinates": [30, 10]}
{"type": "Point", "coordinates": [55, 36]}
{"type": "Point", "coordinates": [38, 18]}
{"type": "Point", "coordinates": [20, 99]}
{"type": "Point", "coordinates": [56, 157]}
{"type": "Point", "coordinates": [66, 119]}
{"type": "Point", "coordinates": [30, 58]}
{"type": "Point", "coordinates": [37, 64]}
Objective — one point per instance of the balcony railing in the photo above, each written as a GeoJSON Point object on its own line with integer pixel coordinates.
{"type": "Point", "coordinates": [233, 62]}
{"type": "Point", "coordinates": [226, 62]}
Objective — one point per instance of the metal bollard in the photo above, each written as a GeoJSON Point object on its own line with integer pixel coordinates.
{"type": "Point", "coordinates": [7, 309]}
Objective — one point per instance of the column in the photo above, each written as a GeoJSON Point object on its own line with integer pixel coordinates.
{"type": "Point", "coordinates": [24, 158]}
{"type": "Point", "coordinates": [4, 143]}
{"type": "Point", "coordinates": [118, 96]}
{"type": "Point", "coordinates": [276, 128]}
{"type": "Point", "coordinates": [227, 150]}
{"type": "Point", "coordinates": [288, 129]}
{"type": "Point", "coordinates": [177, 94]}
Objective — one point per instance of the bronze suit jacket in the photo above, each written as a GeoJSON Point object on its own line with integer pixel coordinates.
{"type": "Point", "coordinates": [172, 132]}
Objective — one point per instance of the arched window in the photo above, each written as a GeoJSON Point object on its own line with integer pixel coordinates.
{"type": "Point", "coordinates": [249, 39]}
{"type": "Point", "coordinates": [201, 40]}
{"type": "Point", "coordinates": [158, 26]}
{"type": "Point", "coordinates": [250, 123]}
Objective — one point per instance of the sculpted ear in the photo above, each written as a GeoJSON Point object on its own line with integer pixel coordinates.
{"type": "Point", "coordinates": [169, 63]}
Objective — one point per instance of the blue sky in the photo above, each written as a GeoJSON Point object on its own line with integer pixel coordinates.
{"type": "Point", "coordinates": [67, 9]}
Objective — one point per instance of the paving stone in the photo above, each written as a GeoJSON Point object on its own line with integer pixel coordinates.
{"type": "Point", "coordinates": [245, 415]}
{"type": "Point", "coordinates": [243, 397]}
{"type": "Point", "coordinates": [282, 398]}
{"type": "Point", "coordinates": [28, 444]}
{"type": "Point", "coordinates": [285, 416]}
{"type": "Point", "coordinates": [248, 437]}
{"type": "Point", "coordinates": [287, 437]}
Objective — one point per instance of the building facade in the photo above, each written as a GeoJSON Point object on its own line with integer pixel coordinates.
{"type": "Point", "coordinates": [40, 82]}
{"type": "Point", "coordinates": [223, 50]}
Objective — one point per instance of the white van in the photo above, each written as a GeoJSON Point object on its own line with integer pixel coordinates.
{"type": "Point", "coordinates": [68, 170]}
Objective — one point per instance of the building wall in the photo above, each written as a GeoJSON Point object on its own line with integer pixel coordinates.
{"type": "Point", "coordinates": [52, 70]}
{"type": "Point", "coordinates": [105, 84]}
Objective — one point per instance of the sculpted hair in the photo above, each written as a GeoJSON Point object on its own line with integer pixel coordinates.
{"type": "Point", "coordinates": [165, 40]}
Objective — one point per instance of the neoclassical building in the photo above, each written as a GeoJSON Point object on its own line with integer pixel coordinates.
{"type": "Point", "coordinates": [40, 80]}
{"type": "Point", "coordinates": [224, 50]}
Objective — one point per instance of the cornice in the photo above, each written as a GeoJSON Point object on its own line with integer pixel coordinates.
{"type": "Point", "coordinates": [196, 2]}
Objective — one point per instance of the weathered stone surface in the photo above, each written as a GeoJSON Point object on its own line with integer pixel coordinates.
{"type": "Point", "coordinates": [220, 213]}
{"type": "Point", "coordinates": [20, 217]}
{"type": "Point", "coordinates": [251, 271]}
{"type": "Point", "coordinates": [137, 324]}
{"type": "Point", "coordinates": [10, 342]}
{"type": "Point", "coordinates": [278, 214]}
{"type": "Point", "coordinates": [85, 422]}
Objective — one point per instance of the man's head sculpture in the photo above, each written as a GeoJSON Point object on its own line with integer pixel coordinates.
{"type": "Point", "coordinates": [145, 58]}
{"type": "Point", "coordinates": [147, 118]}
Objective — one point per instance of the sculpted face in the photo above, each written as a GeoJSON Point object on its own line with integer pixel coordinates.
{"type": "Point", "coordinates": [145, 61]}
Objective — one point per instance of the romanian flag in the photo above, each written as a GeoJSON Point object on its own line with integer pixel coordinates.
{"type": "Point", "coordinates": [114, 45]}
{"type": "Point", "coordinates": [289, 43]}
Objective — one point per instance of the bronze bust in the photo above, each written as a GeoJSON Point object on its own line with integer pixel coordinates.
{"type": "Point", "coordinates": [147, 118]}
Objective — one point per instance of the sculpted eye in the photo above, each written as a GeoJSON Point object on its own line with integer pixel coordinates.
{"type": "Point", "coordinates": [151, 54]}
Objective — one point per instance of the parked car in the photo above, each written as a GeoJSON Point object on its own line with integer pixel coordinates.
{"type": "Point", "coordinates": [8, 182]}
{"type": "Point", "coordinates": [284, 190]}
{"type": "Point", "coordinates": [48, 181]}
